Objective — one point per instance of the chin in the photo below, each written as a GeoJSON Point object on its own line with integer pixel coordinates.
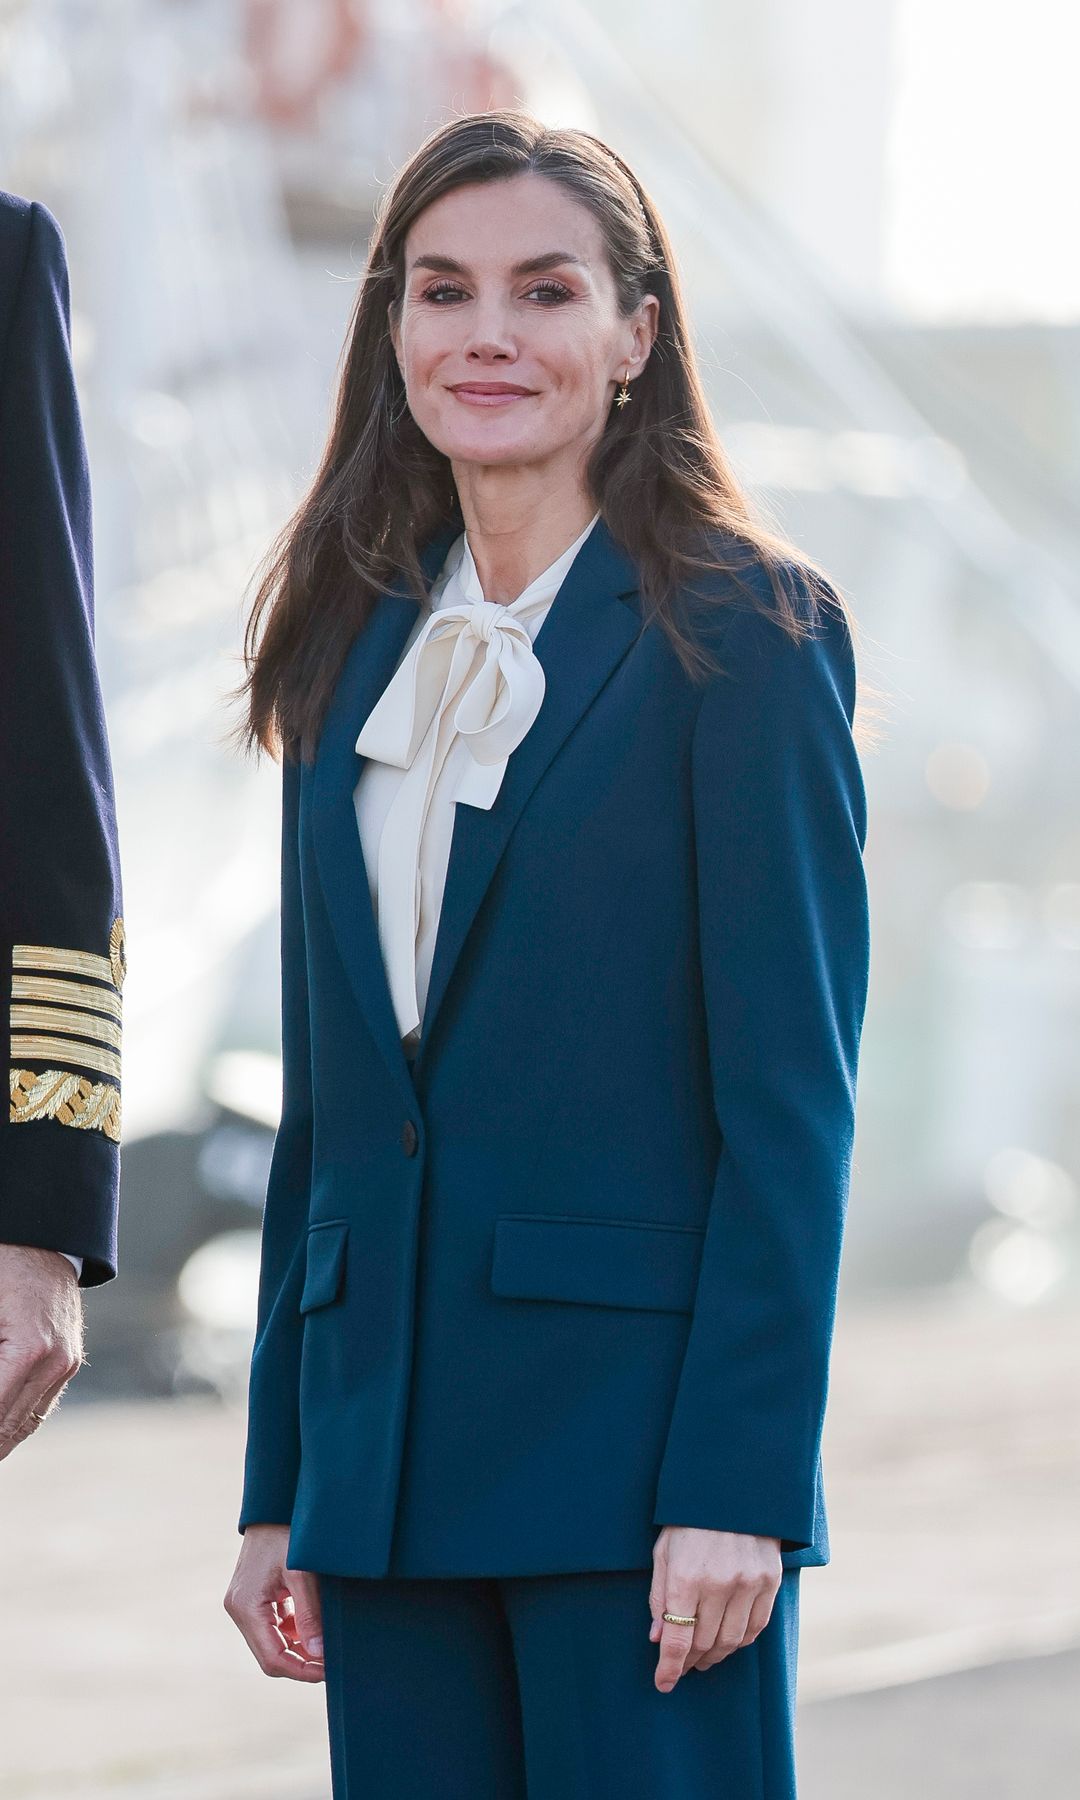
{"type": "Point", "coordinates": [486, 447]}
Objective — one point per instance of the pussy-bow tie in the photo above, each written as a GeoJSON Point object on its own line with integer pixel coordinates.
{"type": "Point", "coordinates": [471, 671]}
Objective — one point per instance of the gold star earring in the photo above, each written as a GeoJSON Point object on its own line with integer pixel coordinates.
{"type": "Point", "coordinates": [624, 393]}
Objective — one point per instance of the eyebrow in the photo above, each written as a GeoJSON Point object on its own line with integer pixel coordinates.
{"type": "Point", "coordinates": [551, 259]}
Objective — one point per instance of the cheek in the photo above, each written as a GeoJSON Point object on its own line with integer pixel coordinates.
{"type": "Point", "coordinates": [577, 380]}
{"type": "Point", "coordinates": [576, 356]}
{"type": "Point", "coordinates": [425, 347]}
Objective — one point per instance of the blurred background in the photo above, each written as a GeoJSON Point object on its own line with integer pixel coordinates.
{"type": "Point", "coordinates": [870, 201]}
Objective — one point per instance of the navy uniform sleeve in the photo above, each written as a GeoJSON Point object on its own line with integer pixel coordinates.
{"type": "Point", "coordinates": [272, 1456]}
{"type": "Point", "coordinates": [780, 826]}
{"type": "Point", "coordinates": [62, 955]}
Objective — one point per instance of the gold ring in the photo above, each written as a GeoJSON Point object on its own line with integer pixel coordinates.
{"type": "Point", "coordinates": [677, 1619]}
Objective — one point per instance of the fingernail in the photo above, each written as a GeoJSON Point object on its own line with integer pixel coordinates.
{"type": "Point", "coordinates": [314, 1646]}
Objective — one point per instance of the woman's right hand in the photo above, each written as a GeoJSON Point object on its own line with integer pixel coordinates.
{"type": "Point", "coordinates": [276, 1608]}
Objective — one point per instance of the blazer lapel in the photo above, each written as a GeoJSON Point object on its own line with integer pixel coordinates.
{"type": "Point", "coordinates": [586, 633]}
{"type": "Point", "coordinates": [338, 850]}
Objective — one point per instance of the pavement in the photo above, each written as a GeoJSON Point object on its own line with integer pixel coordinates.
{"type": "Point", "coordinates": [939, 1650]}
{"type": "Point", "coordinates": [1007, 1731]}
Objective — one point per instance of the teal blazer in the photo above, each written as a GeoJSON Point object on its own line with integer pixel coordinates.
{"type": "Point", "coordinates": [572, 1275]}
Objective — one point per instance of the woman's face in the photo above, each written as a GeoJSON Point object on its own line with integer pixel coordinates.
{"type": "Point", "coordinates": [510, 341]}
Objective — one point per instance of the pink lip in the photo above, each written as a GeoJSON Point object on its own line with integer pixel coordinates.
{"type": "Point", "coordinates": [489, 393]}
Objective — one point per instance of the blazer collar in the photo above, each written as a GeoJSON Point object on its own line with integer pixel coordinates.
{"type": "Point", "coordinates": [585, 634]}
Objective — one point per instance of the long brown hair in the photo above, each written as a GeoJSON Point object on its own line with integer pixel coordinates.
{"type": "Point", "coordinates": [658, 474]}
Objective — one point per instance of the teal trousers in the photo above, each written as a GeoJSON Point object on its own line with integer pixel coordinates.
{"type": "Point", "coordinates": [540, 1687]}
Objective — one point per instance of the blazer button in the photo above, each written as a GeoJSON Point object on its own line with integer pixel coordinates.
{"type": "Point", "coordinates": [410, 1138]}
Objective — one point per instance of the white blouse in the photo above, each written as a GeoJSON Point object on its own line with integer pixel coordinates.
{"type": "Point", "coordinates": [464, 693]}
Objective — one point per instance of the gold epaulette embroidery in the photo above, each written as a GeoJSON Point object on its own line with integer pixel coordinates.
{"type": "Point", "coordinates": [56, 1020]}
{"type": "Point", "coordinates": [71, 1099]}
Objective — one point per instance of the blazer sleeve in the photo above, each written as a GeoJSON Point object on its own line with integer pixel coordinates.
{"type": "Point", "coordinates": [62, 954]}
{"type": "Point", "coordinates": [780, 826]}
{"type": "Point", "coordinates": [272, 1458]}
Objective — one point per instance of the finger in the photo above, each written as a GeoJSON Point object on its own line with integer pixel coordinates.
{"type": "Point", "coordinates": [14, 1439]}
{"type": "Point", "coordinates": [752, 1626]}
{"type": "Point", "coordinates": [16, 1432]}
{"type": "Point", "coordinates": [285, 1618]}
{"type": "Point", "coordinates": [656, 1607]}
{"type": "Point", "coordinates": [307, 1608]}
{"type": "Point", "coordinates": [732, 1628]}
{"type": "Point", "coordinates": [48, 1401]}
{"type": "Point", "coordinates": [32, 1372]}
{"type": "Point", "coordinates": [675, 1642]}
{"type": "Point", "coordinates": [266, 1640]}
{"type": "Point", "coordinates": [44, 1342]}
{"type": "Point", "coordinates": [25, 1373]}
{"type": "Point", "coordinates": [33, 1422]}
{"type": "Point", "coordinates": [760, 1613]}
{"type": "Point", "coordinates": [707, 1629]}
{"type": "Point", "coordinates": [298, 1637]}
{"type": "Point", "coordinates": [43, 1401]}
{"type": "Point", "coordinates": [294, 1643]}
{"type": "Point", "coordinates": [658, 1585]}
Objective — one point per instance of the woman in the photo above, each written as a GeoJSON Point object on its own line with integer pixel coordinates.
{"type": "Point", "coordinates": [575, 952]}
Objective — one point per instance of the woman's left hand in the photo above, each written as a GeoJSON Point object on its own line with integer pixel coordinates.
{"type": "Point", "coordinates": [727, 1578]}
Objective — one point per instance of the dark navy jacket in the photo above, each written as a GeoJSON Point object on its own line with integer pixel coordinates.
{"type": "Point", "coordinates": [61, 932]}
{"type": "Point", "coordinates": [573, 1276]}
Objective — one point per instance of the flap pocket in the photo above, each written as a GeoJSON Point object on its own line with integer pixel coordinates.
{"type": "Point", "coordinates": [599, 1262]}
{"type": "Point", "coordinates": [325, 1264]}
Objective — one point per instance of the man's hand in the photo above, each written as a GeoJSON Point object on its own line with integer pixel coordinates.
{"type": "Point", "coordinates": [728, 1580]}
{"type": "Point", "coordinates": [41, 1337]}
{"type": "Point", "coordinates": [276, 1608]}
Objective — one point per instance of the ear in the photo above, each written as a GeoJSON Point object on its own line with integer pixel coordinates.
{"type": "Point", "coordinates": [650, 316]}
{"type": "Point", "coordinates": [645, 325]}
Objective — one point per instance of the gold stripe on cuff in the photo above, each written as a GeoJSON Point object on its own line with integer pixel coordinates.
{"type": "Point", "coordinates": [58, 1049]}
{"type": "Point", "coordinates": [55, 1018]}
{"type": "Point", "coordinates": [66, 993]}
{"type": "Point", "coordinates": [63, 962]}
{"type": "Point", "coordinates": [67, 1098]}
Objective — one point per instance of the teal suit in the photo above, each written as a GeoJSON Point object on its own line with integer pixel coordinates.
{"type": "Point", "coordinates": [571, 1275]}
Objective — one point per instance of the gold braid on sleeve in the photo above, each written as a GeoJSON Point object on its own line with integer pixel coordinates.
{"type": "Point", "coordinates": [65, 1023]}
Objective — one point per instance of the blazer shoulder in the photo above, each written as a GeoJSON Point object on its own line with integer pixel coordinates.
{"type": "Point", "coordinates": [775, 649]}
{"type": "Point", "coordinates": [767, 597]}
{"type": "Point", "coordinates": [15, 225]}
{"type": "Point", "coordinates": [25, 223]}
{"type": "Point", "coordinates": [33, 271]}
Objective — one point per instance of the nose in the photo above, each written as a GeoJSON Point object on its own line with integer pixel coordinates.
{"type": "Point", "coordinates": [489, 334]}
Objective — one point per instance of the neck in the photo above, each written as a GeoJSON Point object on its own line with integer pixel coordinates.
{"type": "Point", "coordinates": [517, 529]}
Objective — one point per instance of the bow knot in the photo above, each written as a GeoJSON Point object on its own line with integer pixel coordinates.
{"type": "Point", "coordinates": [485, 618]}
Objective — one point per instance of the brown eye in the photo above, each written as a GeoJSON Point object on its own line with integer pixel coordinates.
{"type": "Point", "coordinates": [440, 288]}
{"type": "Point", "coordinates": [555, 290]}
